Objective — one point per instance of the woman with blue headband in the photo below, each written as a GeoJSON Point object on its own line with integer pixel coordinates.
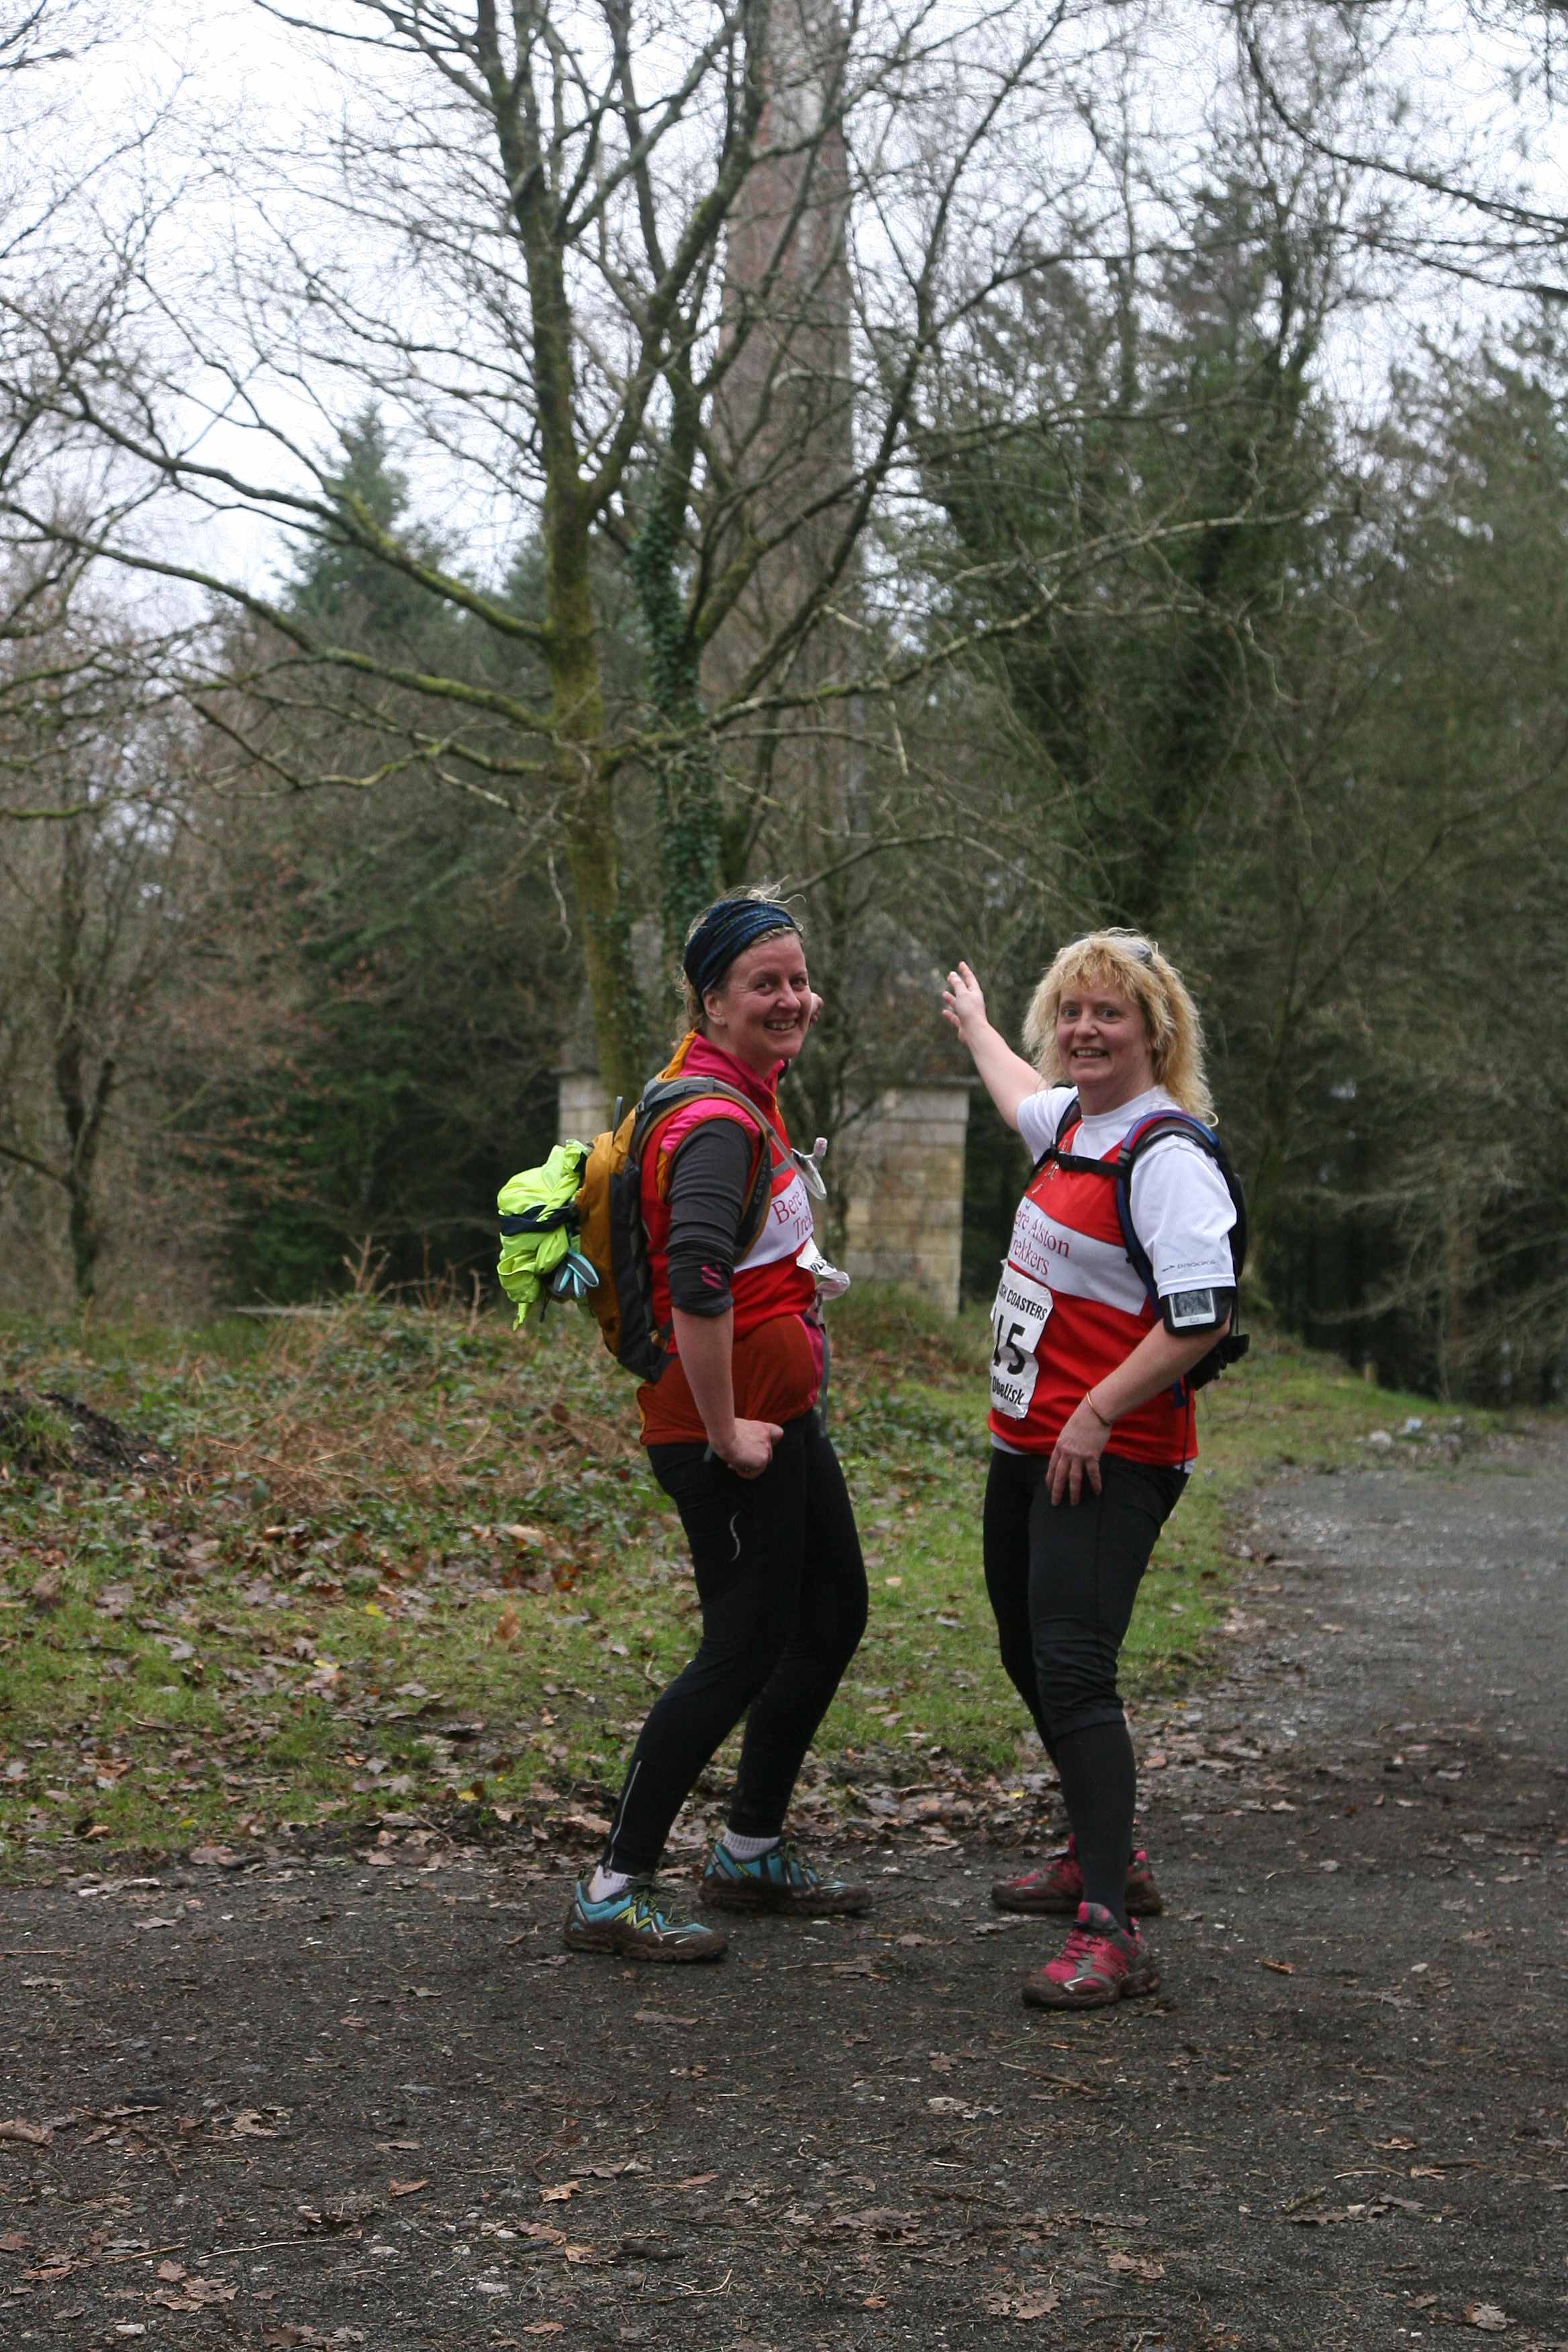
{"type": "Point", "coordinates": [734, 1439]}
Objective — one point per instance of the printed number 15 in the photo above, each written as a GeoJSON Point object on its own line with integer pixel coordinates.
{"type": "Point", "coordinates": [1007, 1340]}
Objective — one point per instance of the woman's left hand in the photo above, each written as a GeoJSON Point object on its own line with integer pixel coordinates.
{"type": "Point", "coordinates": [963, 1006]}
{"type": "Point", "coordinates": [1075, 1456]}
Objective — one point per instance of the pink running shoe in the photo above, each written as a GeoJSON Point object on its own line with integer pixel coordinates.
{"type": "Point", "coordinates": [1098, 1963]}
{"type": "Point", "coordinates": [1058, 1886]}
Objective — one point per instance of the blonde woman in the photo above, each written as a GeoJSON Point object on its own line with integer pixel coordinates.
{"type": "Point", "coordinates": [1092, 1414]}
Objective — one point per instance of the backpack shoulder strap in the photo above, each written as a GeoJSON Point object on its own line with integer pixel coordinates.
{"type": "Point", "coordinates": [1053, 1151]}
{"type": "Point", "coordinates": [662, 1096]}
{"type": "Point", "coordinates": [1137, 1139]}
{"type": "Point", "coordinates": [1078, 1163]}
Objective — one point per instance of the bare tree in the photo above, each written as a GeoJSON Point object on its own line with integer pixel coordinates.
{"type": "Point", "coordinates": [520, 233]}
{"type": "Point", "coordinates": [1443, 112]}
{"type": "Point", "coordinates": [100, 904]}
{"type": "Point", "coordinates": [67, 260]}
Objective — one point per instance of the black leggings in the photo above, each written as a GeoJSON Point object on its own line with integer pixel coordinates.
{"type": "Point", "coordinates": [782, 1590]}
{"type": "Point", "coordinates": [1062, 1578]}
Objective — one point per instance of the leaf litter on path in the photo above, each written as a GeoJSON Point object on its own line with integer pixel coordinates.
{"type": "Point", "coordinates": [1024, 2302]}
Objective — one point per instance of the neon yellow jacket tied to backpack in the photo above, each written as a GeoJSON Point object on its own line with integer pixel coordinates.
{"type": "Point", "coordinates": [573, 1228]}
{"type": "Point", "coordinates": [539, 1228]}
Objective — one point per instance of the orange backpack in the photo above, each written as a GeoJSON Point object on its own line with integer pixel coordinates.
{"type": "Point", "coordinates": [610, 1230]}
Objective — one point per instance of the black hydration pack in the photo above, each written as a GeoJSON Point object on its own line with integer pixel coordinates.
{"type": "Point", "coordinates": [1147, 1130]}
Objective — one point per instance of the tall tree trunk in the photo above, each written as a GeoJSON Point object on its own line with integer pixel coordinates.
{"type": "Point", "coordinates": [572, 651]}
{"type": "Point", "coordinates": [82, 1102]}
{"type": "Point", "coordinates": [690, 816]}
{"type": "Point", "coordinates": [577, 711]}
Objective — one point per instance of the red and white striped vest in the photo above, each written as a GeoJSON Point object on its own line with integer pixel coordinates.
{"type": "Point", "coordinates": [1070, 1306]}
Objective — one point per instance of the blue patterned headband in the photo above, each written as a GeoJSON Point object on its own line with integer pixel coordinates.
{"type": "Point", "coordinates": [725, 931]}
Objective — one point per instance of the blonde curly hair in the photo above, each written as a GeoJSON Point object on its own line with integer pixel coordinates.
{"type": "Point", "coordinates": [1134, 967]}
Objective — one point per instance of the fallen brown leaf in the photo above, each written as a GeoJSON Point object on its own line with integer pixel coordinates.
{"type": "Point", "coordinates": [876, 2222]}
{"type": "Point", "coordinates": [697, 2180]}
{"type": "Point", "coordinates": [405, 2187]}
{"type": "Point", "coordinates": [1027, 2303]}
{"type": "Point", "coordinates": [192, 2295]}
{"type": "Point", "coordinates": [559, 2195]}
{"type": "Point", "coordinates": [1486, 2316]}
{"type": "Point", "coordinates": [354, 2206]}
{"type": "Point", "coordinates": [35, 2135]}
{"type": "Point", "coordinates": [1280, 1968]}
{"type": "Point", "coordinates": [582, 1825]}
{"type": "Point", "coordinates": [1140, 2266]}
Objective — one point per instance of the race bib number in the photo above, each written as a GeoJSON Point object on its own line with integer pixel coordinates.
{"type": "Point", "coordinates": [1022, 1310]}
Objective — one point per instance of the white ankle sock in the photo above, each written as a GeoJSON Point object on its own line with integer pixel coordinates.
{"type": "Point", "coordinates": [747, 1849]}
{"type": "Point", "coordinates": [606, 1882]}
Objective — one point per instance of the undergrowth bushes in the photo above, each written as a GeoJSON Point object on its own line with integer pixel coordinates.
{"type": "Point", "coordinates": [405, 1560]}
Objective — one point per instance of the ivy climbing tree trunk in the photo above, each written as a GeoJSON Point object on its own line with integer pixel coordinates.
{"type": "Point", "coordinates": [83, 1094]}
{"type": "Point", "coordinates": [625, 330]}
{"type": "Point", "coordinates": [571, 646]}
{"type": "Point", "coordinates": [690, 804]}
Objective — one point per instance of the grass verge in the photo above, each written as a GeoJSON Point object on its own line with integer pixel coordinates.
{"type": "Point", "coordinates": [410, 1566]}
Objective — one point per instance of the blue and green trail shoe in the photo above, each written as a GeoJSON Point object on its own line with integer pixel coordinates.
{"type": "Point", "coordinates": [779, 1879]}
{"type": "Point", "coordinates": [637, 1924]}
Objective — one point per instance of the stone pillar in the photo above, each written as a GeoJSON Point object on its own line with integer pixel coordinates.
{"type": "Point", "coordinates": [582, 1109]}
{"type": "Point", "coordinates": [904, 1196]}
{"type": "Point", "coordinates": [904, 1210]}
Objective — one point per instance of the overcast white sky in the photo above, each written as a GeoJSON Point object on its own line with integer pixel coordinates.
{"type": "Point", "coordinates": [237, 68]}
